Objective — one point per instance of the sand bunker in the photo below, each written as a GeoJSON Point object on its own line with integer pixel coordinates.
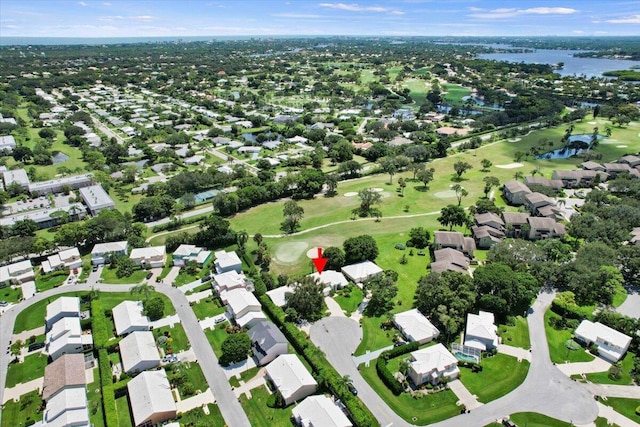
{"type": "Point", "coordinates": [621, 146]}
{"type": "Point", "coordinates": [377, 190]}
{"type": "Point", "coordinates": [510, 166]}
{"type": "Point", "coordinates": [350, 194]}
{"type": "Point", "coordinates": [447, 194]}
{"type": "Point", "coordinates": [593, 123]}
{"type": "Point", "coordinates": [514, 139]}
{"type": "Point", "coordinates": [288, 253]}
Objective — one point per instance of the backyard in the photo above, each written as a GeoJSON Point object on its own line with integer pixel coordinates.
{"type": "Point", "coordinates": [500, 375]}
{"type": "Point", "coordinates": [516, 335]}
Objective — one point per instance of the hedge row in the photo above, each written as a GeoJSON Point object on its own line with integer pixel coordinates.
{"type": "Point", "coordinates": [383, 372]}
{"type": "Point", "coordinates": [120, 388]}
{"type": "Point", "coordinates": [571, 311]}
{"type": "Point", "coordinates": [98, 325]}
{"type": "Point", "coordinates": [360, 414]}
{"type": "Point", "coordinates": [108, 396]}
{"type": "Point", "coordinates": [172, 225]}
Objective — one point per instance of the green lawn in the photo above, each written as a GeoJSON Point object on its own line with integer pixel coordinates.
{"type": "Point", "coordinates": [11, 294]}
{"type": "Point", "coordinates": [198, 417]}
{"type": "Point", "coordinates": [557, 338]}
{"type": "Point", "coordinates": [425, 410]}
{"type": "Point", "coordinates": [178, 339]}
{"type": "Point", "coordinates": [625, 379]}
{"type": "Point", "coordinates": [124, 415]}
{"type": "Point", "coordinates": [245, 376]}
{"type": "Point", "coordinates": [260, 414]}
{"type": "Point", "coordinates": [603, 422]}
{"type": "Point", "coordinates": [183, 278]}
{"type": "Point", "coordinates": [373, 337]}
{"type": "Point", "coordinates": [518, 335]}
{"type": "Point", "coordinates": [109, 276]}
{"type": "Point", "coordinates": [208, 307]}
{"type": "Point", "coordinates": [216, 337]}
{"type": "Point", "coordinates": [349, 298]}
{"type": "Point", "coordinates": [192, 373]}
{"type": "Point", "coordinates": [531, 419]}
{"type": "Point", "coordinates": [626, 407]}
{"type": "Point", "coordinates": [30, 369]}
{"type": "Point", "coordinates": [45, 282]}
{"type": "Point", "coordinates": [619, 296]}
{"type": "Point", "coordinates": [500, 374]}
{"type": "Point", "coordinates": [455, 93]}
{"type": "Point", "coordinates": [25, 412]}
{"type": "Point", "coordinates": [96, 415]}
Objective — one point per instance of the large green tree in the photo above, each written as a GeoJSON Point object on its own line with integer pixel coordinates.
{"type": "Point", "coordinates": [307, 299]}
{"type": "Point", "coordinates": [292, 215]}
{"type": "Point", "coordinates": [235, 348]}
{"type": "Point", "coordinates": [360, 248]}
{"type": "Point", "coordinates": [452, 216]}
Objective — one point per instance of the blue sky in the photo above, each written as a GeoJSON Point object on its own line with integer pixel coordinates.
{"type": "Point", "coordinates": [124, 18]}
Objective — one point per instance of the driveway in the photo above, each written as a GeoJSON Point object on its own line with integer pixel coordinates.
{"type": "Point", "coordinates": [631, 306]}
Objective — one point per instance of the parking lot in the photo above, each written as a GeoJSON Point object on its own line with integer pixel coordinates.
{"type": "Point", "coordinates": [40, 202]}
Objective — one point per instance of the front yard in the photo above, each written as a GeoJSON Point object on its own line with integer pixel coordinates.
{"type": "Point", "coordinates": [626, 365]}
{"type": "Point", "coordinates": [30, 369]}
{"type": "Point", "coordinates": [626, 407]}
{"type": "Point", "coordinates": [216, 337]}
{"type": "Point", "coordinates": [517, 335]}
{"type": "Point", "coordinates": [420, 411]}
{"type": "Point", "coordinates": [557, 340]}
{"type": "Point", "coordinates": [109, 276]}
{"type": "Point", "coordinates": [208, 307]}
{"type": "Point", "coordinates": [349, 298]}
{"type": "Point", "coordinates": [500, 375]}
{"type": "Point", "coordinates": [177, 340]}
{"type": "Point", "coordinates": [25, 412]}
{"type": "Point", "coordinates": [260, 414]}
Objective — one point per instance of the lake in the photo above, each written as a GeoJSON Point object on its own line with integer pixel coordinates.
{"type": "Point", "coordinates": [588, 67]}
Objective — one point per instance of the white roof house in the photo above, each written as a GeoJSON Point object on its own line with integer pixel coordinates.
{"type": "Point", "coordinates": [128, 317]}
{"type": "Point", "coordinates": [150, 398]}
{"type": "Point", "coordinates": [612, 345]}
{"type": "Point", "coordinates": [7, 142]}
{"type": "Point", "coordinates": [332, 279]}
{"type": "Point", "coordinates": [15, 273]}
{"type": "Point", "coordinates": [185, 253]}
{"type": "Point", "coordinates": [291, 378]}
{"type": "Point", "coordinates": [67, 408]}
{"type": "Point", "coordinates": [66, 337]}
{"type": "Point", "coordinates": [138, 351]}
{"type": "Point", "coordinates": [101, 251]}
{"type": "Point", "coordinates": [19, 176]}
{"type": "Point", "coordinates": [415, 326]}
{"type": "Point", "coordinates": [227, 261]}
{"type": "Point", "coordinates": [96, 199]}
{"type": "Point", "coordinates": [244, 307]}
{"type": "Point", "coordinates": [481, 331]}
{"type": "Point", "coordinates": [62, 307]}
{"type": "Point", "coordinates": [319, 411]}
{"type": "Point", "coordinates": [361, 271]}
{"type": "Point", "coordinates": [69, 258]}
{"type": "Point", "coordinates": [432, 363]}
{"type": "Point", "coordinates": [154, 256]}
{"type": "Point", "coordinates": [278, 295]}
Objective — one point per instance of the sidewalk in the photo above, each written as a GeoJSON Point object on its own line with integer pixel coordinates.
{"type": "Point", "coordinates": [166, 321]}
{"type": "Point", "coordinates": [194, 402]}
{"type": "Point", "coordinates": [517, 352]}
{"type": "Point", "coordinates": [199, 296]}
{"type": "Point", "coordinates": [467, 399]}
{"type": "Point", "coordinates": [255, 382]}
{"type": "Point", "coordinates": [334, 307]}
{"type": "Point", "coordinates": [25, 335]}
{"type": "Point", "coordinates": [369, 356]}
{"type": "Point", "coordinates": [596, 365]}
{"type": "Point", "coordinates": [22, 388]}
{"type": "Point", "coordinates": [614, 417]}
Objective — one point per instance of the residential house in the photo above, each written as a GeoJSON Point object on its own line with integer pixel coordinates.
{"type": "Point", "coordinates": [67, 259]}
{"type": "Point", "coordinates": [59, 185]}
{"type": "Point", "coordinates": [67, 371]}
{"type": "Point", "coordinates": [454, 240]}
{"type": "Point", "coordinates": [67, 408]}
{"type": "Point", "coordinates": [96, 199]}
{"type": "Point", "coordinates": [553, 184]}
{"type": "Point", "coordinates": [481, 331]}
{"type": "Point", "coordinates": [7, 144]}
{"type": "Point", "coordinates": [579, 178]}
{"type": "Point", "coordinates": [488, 230]}
{"type": "Point", "coordinates": [319, 411]}
{"type": "Point", "coordinates": [128, 317]}
{"type": "Point", "coordinates": [431, 364]}
{"type": "Point", "coordinates": [448, 259]}
{"type": "Point", "coordinates": [267, 342]}
{"type": "Point", "coordinates": [225, 282]}
{"type": "Point", "coordinates": [632, 161]}
{"type": "Point", "coordinates": [62, 307]}
{"type": "Point", "coordinates": [16, 273]}
{"type": "Point", "coordinates": [635, 236]}
{"type": "Point", "coordinates": [290, 378]}
{"type": "Point", "coordinates": [279, 295]}
{"type": "Point", "coordinates": [244, 307]}
{"type": "Point", "coordinates": [16, 176]}
{"type": "Point", "coordinates": [414, 326]}
{"type": "Point", "coordinates": [615, 169]}
{"type": "Point", "coordinates": [66, 337]}
{"type": "Point", "coordinates": [154, 256]}
{"type": "Point", "coordinates": [592, 166]}
{"type": "Point", "coordinates": [361, 272]}
{"type": "Point", "coordinates": [185, 253]}
{"type": "Point", "coordinates": [102, 252]}
{"type": "Point", "coordinates": [545, 228]}
{"type": "Point", "coordinates": [612, 345]}
{"type": "Point", "coordinates": [227, 261]}
{"type": "Point", "coordinates": [333, 280]}
{"type": "Point", "coordinates": [514, 223]}
{"type": "Point", "coordinates": [514, 192]}
{"type": "Point", "coordinates": [138, 352]}
{"type": "Point", "coordinates": [534, 201]}
{"type": "Point", "coordinates": [43, 217]}
{"type": "Point", "coordinates": [151, 399]}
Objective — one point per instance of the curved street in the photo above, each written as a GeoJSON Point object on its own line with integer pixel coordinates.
{"type": "Point", "coordinates": [545, 390]}
{"type": "Point", "coordinates": [226, 400]}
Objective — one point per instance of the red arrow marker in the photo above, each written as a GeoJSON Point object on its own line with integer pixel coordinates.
{"type": "Point", "coordinates": [320, 262]}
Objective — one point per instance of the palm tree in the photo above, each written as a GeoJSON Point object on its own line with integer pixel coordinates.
{"type": "Point", "coordinates": [241, 240]}
{"type": "Point", "coordinates": [518, 175]}
{"type": "Point", "coordinates": [344, 383]}
{"type": "Point", "coordinates": [143, 288]}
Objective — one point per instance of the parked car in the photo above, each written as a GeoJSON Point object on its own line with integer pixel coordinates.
{"type": "Point", "coordinates": [149, 274]}
{"type": "Point", "coordinates": [75, 271]}
{"type": "Point", "coordinates": [3, 303]}
{"type": "Point", "coordinates": [36, 346]}
{"type": "Point", "coordinates": [353, 390]}
{"type": "Point", "coordinates": [95, 268]}
{"type": "Point", "coordinates": [170, 358]}
{"type": "Point", "coordinates": [205, 279]}
{"type": "Point", "coordinates": [219, 320]}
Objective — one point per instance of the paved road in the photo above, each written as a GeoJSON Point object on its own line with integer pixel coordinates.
{"type": "Point", "coordinates": [631, 306]}
{"type": "Point", "coordinates": [230, 408]}
{"type": "Point", "coordinates": [108, 132]}
{"type": "Point", "coordinates": [207, 208]}
{"type": "Point", "coordinates": [545, 390]}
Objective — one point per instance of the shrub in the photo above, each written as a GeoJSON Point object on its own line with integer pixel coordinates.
{"type": "Point", "coordinates": [615, 373]}
{"type": "Point", "coordinates": [98, 325]}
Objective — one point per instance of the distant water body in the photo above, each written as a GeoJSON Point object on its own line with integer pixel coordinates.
{"type": "Point", "coordinates": [573, 66]}
{"type": "Point", "coordinates": [58, 41]}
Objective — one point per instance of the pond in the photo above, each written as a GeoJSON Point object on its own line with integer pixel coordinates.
{"type": "Point", "coordinates": [571, 149]}
{"type": "Point", "coordinates": [59, 157]}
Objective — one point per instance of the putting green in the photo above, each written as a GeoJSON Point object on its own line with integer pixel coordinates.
{"type": "Point", "coordinates": [510, 166]}
{"type": "Point", "coordinates": [289, 253]}
{"type": "Point", "coordinates": [446, 194]}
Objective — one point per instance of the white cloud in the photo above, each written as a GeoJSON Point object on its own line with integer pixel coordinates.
{"type": "Point", "coordinates": [106, 4]}
{"type": "Point", "coordinates": [82, 3]}
{"type": "Point", "coordinates": [142, 18]}
{"type": "Point", "coordinates": [354, 7]}
{"type": "Point", "coordinates": [578, 32]}
{"type": "Point", "coordinates": [633, 19]}
{"type": "Point", "coordinates": [502, 13]}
